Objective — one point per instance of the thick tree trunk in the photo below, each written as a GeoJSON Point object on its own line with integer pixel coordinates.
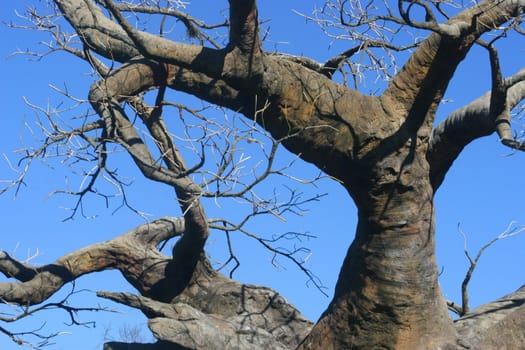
{"type": "Point", "coordinates": [387, 295]}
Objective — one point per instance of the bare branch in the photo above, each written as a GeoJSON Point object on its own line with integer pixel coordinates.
{"type": "Point", "coordinates": [297, 255]}
{"type": "Point", "coordinates": [48, 23]}
{"type": "Point", "coordinates": [510, 231]}
{"type": "Point", "coordinates": [164, 50]}
{"type": "Point", "coordinates": [123, 253]}
{"type": "Point", "coordinates": [454, 29]}
{"type": "Point", "coordinates": [468, 124]}
{"type": "Point", "coordinates": [44, 338]}
{"type": "Point", "coordinates": [336, 62]}
{"type": "Point", "coordinates": [194, 26]}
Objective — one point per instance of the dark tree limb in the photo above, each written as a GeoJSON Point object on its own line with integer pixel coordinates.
{"type": "Point", "coordinates": [236, 64]}
{"type": "Point", "coordinates": [498, 96]}
{"type": "Point", "coordinates": [12, 268]}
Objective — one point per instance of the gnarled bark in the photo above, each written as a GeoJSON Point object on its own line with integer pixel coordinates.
{"type": "Point", "coordinates": [382, 149]}
{"type": "Point", "coordinates": [212, 311]}
{"type": "Point", "coordinates": [496, 325]}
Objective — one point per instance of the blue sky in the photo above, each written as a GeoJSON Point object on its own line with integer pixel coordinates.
{"type": "Point", "coordinates": [484, 192]}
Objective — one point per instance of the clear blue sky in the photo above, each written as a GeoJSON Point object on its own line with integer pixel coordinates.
{"type": "Point", "coordinates": [484, 192]}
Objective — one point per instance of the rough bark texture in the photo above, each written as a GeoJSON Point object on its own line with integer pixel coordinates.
{"type": "Point", "coordinates": [496, 325]}
{"type": "Point", "coordinates": [383, 149]}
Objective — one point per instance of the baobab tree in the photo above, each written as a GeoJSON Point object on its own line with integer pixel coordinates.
{"type": "Point", "coordinates": [384, 149]}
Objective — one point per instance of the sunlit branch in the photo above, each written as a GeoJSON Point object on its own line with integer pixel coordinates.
{"type": "Point", "coordinates": [511, 231]}
{"type": "Point", "coordinates": [39, 283]}
{"type": "Point", "coordinates": [469, 123]}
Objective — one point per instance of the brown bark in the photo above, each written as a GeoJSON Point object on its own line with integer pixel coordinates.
{"type": "Point", "coordinates": [382, 149]}
{"type": "Point", "coordinates": [250, 316]}
{"type": "Point", "coordinates": [143, 268]}
{"type": "Point", "coordinates": [387, 292]}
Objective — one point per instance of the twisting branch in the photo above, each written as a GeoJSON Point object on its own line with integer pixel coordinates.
{"type": "Point", "coordinates": [123, 253]}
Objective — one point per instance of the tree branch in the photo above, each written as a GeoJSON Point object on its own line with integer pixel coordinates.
{"type": "Point", "coordinates": [422, 82]}
{"type": "Point", "coordinates": [133, 253]}
{"type": "Point", "coordinates": [98, 32]}
{"type": "Point", "coordinates": [194, 27]}
{"type": "Point", "coordinates": [510, 231]}
{"type": "Point", "coordinates": [232, 65]}
{"type": "Point", "coordinates": [466, 125]}
{"type": "Point", "coordinates": [454, 30]}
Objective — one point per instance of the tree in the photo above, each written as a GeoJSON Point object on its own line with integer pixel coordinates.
{"type": "Point", "coordinates": [384, 150]}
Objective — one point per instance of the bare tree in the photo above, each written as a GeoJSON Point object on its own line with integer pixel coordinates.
{"type": "Point", "coordinates": [384, 150]}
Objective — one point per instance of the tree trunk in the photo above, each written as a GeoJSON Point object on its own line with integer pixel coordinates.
{"type": "Point", "coordinates": [387, 295]}
{"type": "Point", "coordinates": [379, 147]}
